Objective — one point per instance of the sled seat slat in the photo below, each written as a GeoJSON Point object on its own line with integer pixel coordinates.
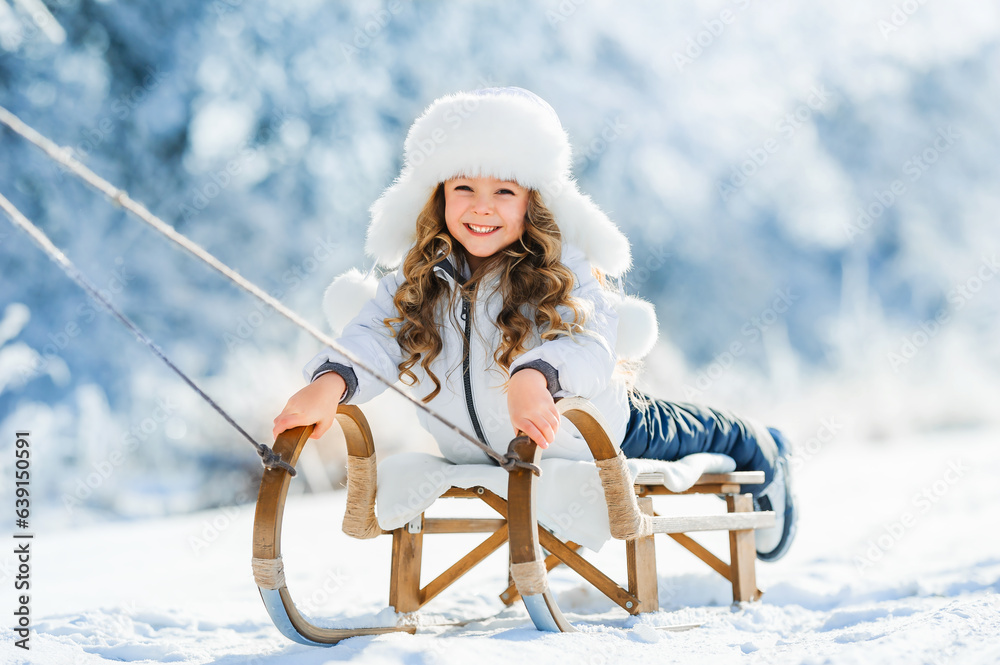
{"type": "Point", "coordinates": [709, 483]}
{"type": "Point", "coordinates": [660, 490]}
{"type": "Point", "coordinates": [462, 525]}
{"type": "Point", "coordinates": [738, 477]}
{"type": "Point", "coordinates": [740, 521]}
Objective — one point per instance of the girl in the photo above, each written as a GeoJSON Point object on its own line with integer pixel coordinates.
{"type": "Point", "coordinates": [499, 305]}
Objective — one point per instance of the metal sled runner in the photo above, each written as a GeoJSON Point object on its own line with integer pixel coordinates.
{"type": "Point", "coordinates": [629, 507]}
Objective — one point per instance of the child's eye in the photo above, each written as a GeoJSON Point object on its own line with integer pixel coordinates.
{"type": "Point", "coordinates": [505, 191]}
{"type": "Point", "coordinates": [464, 188]}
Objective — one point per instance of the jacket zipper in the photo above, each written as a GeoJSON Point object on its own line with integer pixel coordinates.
{"type": "Point", "coordinates": [467, 347]}
{"type": "Point", "coordinates": [466, 373]}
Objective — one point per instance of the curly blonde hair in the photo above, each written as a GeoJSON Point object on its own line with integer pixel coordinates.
{"type": "Point", "coordinates": [531, 278]}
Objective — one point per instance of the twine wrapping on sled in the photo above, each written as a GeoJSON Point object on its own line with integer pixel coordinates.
{"type": "Point", "coordinates": [268, 573]}
{"type": "Point", "coordinates": [626, 520]}
{"type": "Point", "coordinates": [530, 578]}
{"type": "Point", "coordinates": [359, 518]}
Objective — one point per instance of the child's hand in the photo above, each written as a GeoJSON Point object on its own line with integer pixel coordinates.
{"type": "Point", "coordinates": [532, 409]}
{"type": "Point", "coordinates": [316, 404]}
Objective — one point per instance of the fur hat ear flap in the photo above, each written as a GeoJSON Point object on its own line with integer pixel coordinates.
{"type": "Point", "coordinates": [392, 230]}
{"type": "Point", "coordinates": [585, 225]}
{"type": "Point", "coordinates": [637, 327]}
{"type": "Point", "coordinates": [345, 297]}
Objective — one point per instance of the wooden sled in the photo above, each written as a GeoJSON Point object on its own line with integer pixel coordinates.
{"type": "Point", "coordinates": [629, 507]}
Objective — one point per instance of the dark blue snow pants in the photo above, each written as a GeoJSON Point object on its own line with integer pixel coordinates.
{"type": "Point", "coordinates": [663, 430]}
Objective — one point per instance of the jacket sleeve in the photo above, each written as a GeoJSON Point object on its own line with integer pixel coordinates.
{"type": "Point", "coordinates": [368, 338]}
{"type": "Point", "coordinates": [583, 364]}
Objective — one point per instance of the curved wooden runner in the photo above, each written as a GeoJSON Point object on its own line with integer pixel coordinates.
{"type": "Point", "coordinates": [525, 534]}
{"type": "Point", "coordinates": [528, 569]}
{"type": "Point", "coordinates": [525, 549]}
{"type": "Point", "coordinates": [267, 534]}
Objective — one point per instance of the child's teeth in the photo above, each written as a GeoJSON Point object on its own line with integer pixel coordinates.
{"type": "Point", "coordinates": [481, 229]}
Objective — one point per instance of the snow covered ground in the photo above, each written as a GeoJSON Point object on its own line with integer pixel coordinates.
{"type": "Point", "coordinates": [897, 561]}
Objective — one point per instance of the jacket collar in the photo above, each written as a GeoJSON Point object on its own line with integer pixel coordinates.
{"type": "Point", "coordinates": [445, 265]}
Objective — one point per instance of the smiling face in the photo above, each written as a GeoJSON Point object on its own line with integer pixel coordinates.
{"type": "Point", "coordinates": [484, 214]}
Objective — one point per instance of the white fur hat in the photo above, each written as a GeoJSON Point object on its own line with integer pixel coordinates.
{"type": "Point", "coordinates": [506, 133]}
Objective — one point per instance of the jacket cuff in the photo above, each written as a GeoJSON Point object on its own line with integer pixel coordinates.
{"type": "Point", "coordinates": [346, 372]}
{"type": "Point", "coordinates": [550, 372]}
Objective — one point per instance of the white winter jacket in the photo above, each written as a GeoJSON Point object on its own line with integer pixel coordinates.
{"type": "Point", "coordinates": [472, 395]}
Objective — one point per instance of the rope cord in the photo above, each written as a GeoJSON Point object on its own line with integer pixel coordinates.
{"type": "Point", "coordinates": [269, 458]}
{"type": "Point", "coordinates": [120, 197]}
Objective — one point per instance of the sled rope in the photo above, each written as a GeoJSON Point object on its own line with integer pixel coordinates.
{"type": "Point", "coordinates": [269, 458]}
{"type": "Point", "coordinates": [120, 197]}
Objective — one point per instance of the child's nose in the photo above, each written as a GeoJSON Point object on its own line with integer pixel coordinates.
{"type": "Point", "coordinates": [483, 204]}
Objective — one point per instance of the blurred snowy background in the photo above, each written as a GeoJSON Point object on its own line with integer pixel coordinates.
{"type": "Point", "coordinates": [810, 191]}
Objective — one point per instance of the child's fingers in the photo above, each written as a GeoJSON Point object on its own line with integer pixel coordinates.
{"type": "Point", "coordinates": [540, 432]}
{"type": "Point", "coordinates": [287, 421]}
{"type": "Point", "coordinates": [527, 428]}
{"type": "Point", "coordinates": [279, 426]}
{"type": "Point", "coordinates": [536, 435]}
{"type": "Point", "coordinates": [553, 419]}
{"type": "Point", "coordinates": [321, 427]}
{"type": "Point", "coordinates": [548, 423]}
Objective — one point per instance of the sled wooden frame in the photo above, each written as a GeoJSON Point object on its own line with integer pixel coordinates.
{"type": "Point", "coordinates": [517, 524]}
